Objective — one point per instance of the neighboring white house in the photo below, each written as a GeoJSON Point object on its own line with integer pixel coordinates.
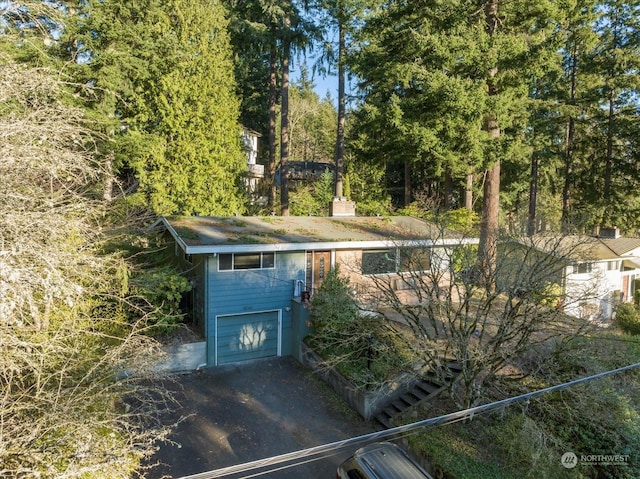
{"type": "Point", "coordinates": [255, 172]}
{"type": "Point", "coordinates": [596, 272]}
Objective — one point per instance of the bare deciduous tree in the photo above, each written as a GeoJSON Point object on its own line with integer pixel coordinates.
{"type": "Point", "coordinates": [67, 409]}
{"type": "Point", "coordinates": [469, 335]}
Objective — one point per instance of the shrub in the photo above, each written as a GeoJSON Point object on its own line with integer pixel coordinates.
{"type": "Point", "coordinates": [333, 310]}
{"type": "Point", "coordinates": [358, 346]}
{"type": "Point", "coordinates": [628, 318]}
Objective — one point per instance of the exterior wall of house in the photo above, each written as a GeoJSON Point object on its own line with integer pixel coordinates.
{"type": "Point", "coordinates": [252, 292]}
{"type": "Point", "coordinates": [350, 263]}
{"type": "Point", "coordinates": [592, 292]}
{"type": "Point", "coordinates": [197, 299]}
{"type": "Point", "coordinates": [193, 267]}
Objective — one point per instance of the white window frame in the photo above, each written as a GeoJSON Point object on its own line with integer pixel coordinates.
{"type": "Point", "coordinates": [233, 261]}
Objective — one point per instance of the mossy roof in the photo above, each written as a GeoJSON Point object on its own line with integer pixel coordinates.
{"type": "Point", "coordinates": [200, 232]}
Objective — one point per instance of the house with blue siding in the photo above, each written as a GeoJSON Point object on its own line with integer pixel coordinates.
{"type": "Point", "coordinates": [251, 276]}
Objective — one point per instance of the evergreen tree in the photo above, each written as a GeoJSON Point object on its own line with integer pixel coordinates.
{"type": "Point", "coordinates": [311, 123]}
{"type": "Point", "coordinates": [168, 70]}
{"type": "Point", "coordinates": [197, 164]}
{"type": "Point", "coordinates": [341, 17]}
{"type": "Point", "coordinates": [572, 95]}
{"type": "Point", "coordinates": [268, 32]}
{"type": "Point", "coordinates": [616, 62]}
{"type": "Point", "coordinates": [255, 28]}
{"type": "Point", "coordinates": [446, 89]}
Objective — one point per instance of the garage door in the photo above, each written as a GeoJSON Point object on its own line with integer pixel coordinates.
{"type": "Point", "coordinates": [247, 336]}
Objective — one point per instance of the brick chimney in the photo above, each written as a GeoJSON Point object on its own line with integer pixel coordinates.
{"type": "Point", "coordinates": [341, 207]}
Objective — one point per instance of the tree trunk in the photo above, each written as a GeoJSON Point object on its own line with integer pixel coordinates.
{"type": "Point", "coordinates": [448, 190]}
{"type": "Point", "coordinates": [568, 157]}
{"type": "Point", "coordinates": [407, 184]}
{"type": "Point", "coordinates": [272, 124]}
{"type": "Point", "coordinates": [341, 111]}
{"type": "Point", "coordinates": [488, 246]}
{"type": "Point", "coordinates": [608, 163]}
{"type": "Point", "coordinates": [533, 196]}
{"type": "Point", "coordinates": [468, 192]}
{"type": "Point", "coordinates": [284, 125]}
{"type": "Point", "coordinates": [108, 180]}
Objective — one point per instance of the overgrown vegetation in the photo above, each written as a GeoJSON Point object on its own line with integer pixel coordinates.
{"type": "Point", "coordinates": [516, 340]}
{"type": "Point", "coordinates": [313, 199]}
{"type": "Point", "coordinates": [77, 359]}
{"type": "Point", "coordinates": [359, 346]}
{"type": "Point", "coordinates": [628, 318]}
{"type": "Point", "coordinates": [529, 439]}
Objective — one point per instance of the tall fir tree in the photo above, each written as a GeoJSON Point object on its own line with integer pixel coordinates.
{"type": "Point", "coordinates": [616, 61]}
{"type": "Point", "coordinates": [446, 90]}
{"type": "Point", "coordinates": [168, 72]}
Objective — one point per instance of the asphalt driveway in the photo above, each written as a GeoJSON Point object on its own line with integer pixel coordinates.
{"type": "Point", "coordinates": [250, 411]}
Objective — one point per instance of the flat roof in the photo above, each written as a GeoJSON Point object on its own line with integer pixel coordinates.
{"type": "Point", "coordinates": [201, 235]}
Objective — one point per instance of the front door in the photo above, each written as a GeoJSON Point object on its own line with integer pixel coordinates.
{"type": "Point", "coordinates": [318, 265]}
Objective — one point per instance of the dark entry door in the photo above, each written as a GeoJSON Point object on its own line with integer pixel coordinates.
{"type": "Point", "coordinates": [318, 265]}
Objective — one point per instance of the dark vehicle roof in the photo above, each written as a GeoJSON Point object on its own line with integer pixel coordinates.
{"type": "Point", "coordinates": [388, 461]}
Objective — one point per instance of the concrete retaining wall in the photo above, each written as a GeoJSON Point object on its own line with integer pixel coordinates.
{"type": "Point", "coordinates": [183, 357]}
{"type": "Point", "coordinates": [366, 403]}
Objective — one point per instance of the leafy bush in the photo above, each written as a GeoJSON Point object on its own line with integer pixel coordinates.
{"type": "Point", "coordinates": [358, 346]}
{"type": "Point", "coordinates": [628, 318]}
{"type": "Point", "coordinates": [334, 313]}
{"type": "Point", "coordinates": [525, 446]}
{"type": "Point", "coordinates": [454, 451]}
{"type": "Point", "coordinates": [599, 417]}
{"type": "Point", "coordinates": [550, 295]}
{"type": "Point", "coordinates": [313, 199]}
{"type": "Point", "coordinates": [161, 288]}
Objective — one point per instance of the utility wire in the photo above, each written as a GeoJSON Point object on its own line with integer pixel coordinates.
{"type": "Point", "coordinates": [328, 449]}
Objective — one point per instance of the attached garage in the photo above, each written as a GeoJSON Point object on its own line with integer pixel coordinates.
{"type": "Point", "coordinates": [241, 337]}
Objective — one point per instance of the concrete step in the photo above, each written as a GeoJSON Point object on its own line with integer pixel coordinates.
{"type": "Point", "coordinates": [454, 366]}
{"type": "Point", "coordinates": [384, 419]}
{"type": "Point", "coordinates": [427, 387]}
{"type": "Point", "coordinates": [418, 393]}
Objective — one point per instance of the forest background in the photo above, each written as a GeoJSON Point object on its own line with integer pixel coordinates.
{"type": "Point", "coordinates": [522, 114]}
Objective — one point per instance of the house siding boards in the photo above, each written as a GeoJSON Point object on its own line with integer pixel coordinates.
{"type": "Point", "coordinates": [597, 273]}
{"type": "Point", "coordinates": [253, 291]}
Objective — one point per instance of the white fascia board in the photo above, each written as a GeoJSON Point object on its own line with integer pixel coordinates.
{"type": "Point", "coordinates": [325, 245]}
{"type": "Point", "coordinates": [175, 235]}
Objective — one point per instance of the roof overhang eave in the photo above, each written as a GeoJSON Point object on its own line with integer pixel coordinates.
{"type": "Point", "coordinates": [316, 246]}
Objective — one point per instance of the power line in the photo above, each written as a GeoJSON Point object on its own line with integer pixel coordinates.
{"type": "Point", "coordinates": [334, 447]}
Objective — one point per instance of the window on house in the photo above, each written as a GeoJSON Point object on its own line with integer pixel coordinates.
{"type": "Point", "coordinates": [613, 265]}
{"type": "Point", "coordinates": [395, 260]}
{"type": "Point", "coordinates": [414, 259]}
{"type": "Point", "coordinates": [379, 261]}
{"type": "Point", "coordinates": [581, 268]}
{"type": "Point", "coordinates": [237, 261]}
